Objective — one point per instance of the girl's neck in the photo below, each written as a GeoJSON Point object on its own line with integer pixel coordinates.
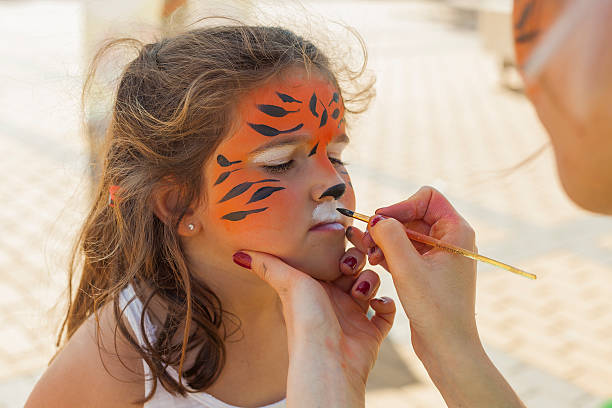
{"type": "Point", "coordinates": [244, 295]}
{"type": "Point", "coordinates": [256, 353]}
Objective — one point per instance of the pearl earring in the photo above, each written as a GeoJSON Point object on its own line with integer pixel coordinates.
{"type": "Point", "coordinates": [191, 227]}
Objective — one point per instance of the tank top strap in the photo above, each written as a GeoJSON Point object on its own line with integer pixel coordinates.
{"type": "Point", "coordinates": [131, 307]}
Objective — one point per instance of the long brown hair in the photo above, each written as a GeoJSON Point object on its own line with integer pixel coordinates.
{"type": "Point", "coordinates": [173, 106]}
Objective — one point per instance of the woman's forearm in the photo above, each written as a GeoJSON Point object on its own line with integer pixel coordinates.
{"type": "Point", "coordinates": [466, 377]}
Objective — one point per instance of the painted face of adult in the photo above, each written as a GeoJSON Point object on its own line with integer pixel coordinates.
{"type": "Point", "coordinates": [274, 184]}
{"type": "Point", "coordinates": [562, 48]}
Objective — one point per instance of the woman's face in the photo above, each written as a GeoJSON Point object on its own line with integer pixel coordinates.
{"type": "Point", "coordinates": [571, 89]}
{"type": "Point", "coordinates": [274, 184]}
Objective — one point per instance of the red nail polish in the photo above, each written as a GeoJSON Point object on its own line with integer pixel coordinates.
{"type": "Point", "coordinates": [375, 219]}
{"type": "Point", "coordinates": [363, 287]}
{"type": "Point", "coordinates": [350, 261]}
{"type": "Point", "coordinates": [242, 259]}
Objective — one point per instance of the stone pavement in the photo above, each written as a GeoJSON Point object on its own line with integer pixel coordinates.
{"type": "Point", "coordinates": [439, 118]}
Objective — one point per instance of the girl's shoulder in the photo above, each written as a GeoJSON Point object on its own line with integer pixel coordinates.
{"type": "Point", "coordinates": [87, 372]}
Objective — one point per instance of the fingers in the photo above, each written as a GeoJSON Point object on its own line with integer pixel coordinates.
{"type": "Point", "coordinates": [398, 251]}
{"type": "Point", "coordinates": [361, 288]}
{"type": "Point", "coordinates": [375, 255]}
{"type": "Point", "coordinates": [384, 309]}
{"type": "Point", "coordinates": [352, 262]}
{"type": "Point", "coordinates": [413, 208]}
{"type": "Point", "coordinates": [365, 288]}
{"type": "Point", "coordinates": [455, 231]}
{"type": "Point", "coordinates": [356, 237]}
{"type": "Point", "coordinates": [417, 225]}
{"type": "Point", "coordinates": [271, 269]}
{"type": "Point", "coordinates": [429, 212]}
{"type": "Point", "coordinates": [367, 240]}
{"type": "Point", "coordinates": [427, 204]}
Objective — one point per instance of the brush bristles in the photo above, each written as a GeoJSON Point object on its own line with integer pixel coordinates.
{"type": "Point", "coordinates": [346, 212]}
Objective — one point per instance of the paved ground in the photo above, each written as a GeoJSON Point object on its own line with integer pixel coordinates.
{"type": "Point", "coordinates": [439, 118]}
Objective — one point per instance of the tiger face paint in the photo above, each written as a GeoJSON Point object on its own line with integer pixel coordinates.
{"type": "Point", "coordinates": [273, 185]}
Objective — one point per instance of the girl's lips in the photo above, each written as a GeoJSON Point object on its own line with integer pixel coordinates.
{"type": "Point", "coordinates": [328, 226]}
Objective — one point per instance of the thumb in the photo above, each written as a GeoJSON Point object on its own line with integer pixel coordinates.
{"type": "Point", "coordinates": [271, 269]}
{"type": "Point", "coordinates": [306, 305]}
{"type": "Point", "coordinates": [390, 236]}
{"type": "Point", "coordinates": [384, 309]}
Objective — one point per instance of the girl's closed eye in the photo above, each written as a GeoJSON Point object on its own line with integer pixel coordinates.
{"type": "Point", "coordinates": [286, 166]}
{"type": "Point", "coordinates": [336, 161]}
{"type": "Point", "coordinates": [279, 168]}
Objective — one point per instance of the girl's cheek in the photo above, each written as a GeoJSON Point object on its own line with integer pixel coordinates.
{"type": "Point", "coordinates": [267, 202]}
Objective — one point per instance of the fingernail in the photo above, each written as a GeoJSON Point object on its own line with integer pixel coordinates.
{"type": "Point", "coordinates": [242, 259]}
{"type": "Point", "coordinates": [350, 262]}
{"type": "Point", "coordinates": [375, 219]}
{"type": "Point", "coordinates": [371, 250]}
{"type": "Point", "coordinates": [363, 287]}
{"type": "Point", "coordinates": [383, 299]}
{"type": "Point", "coordinates": [367, 239]}
{"type": "Point", "coordinates": [349, 230]}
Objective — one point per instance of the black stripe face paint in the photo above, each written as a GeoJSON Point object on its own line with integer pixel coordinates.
{"type": "Point", "coordinates": [285, 110]}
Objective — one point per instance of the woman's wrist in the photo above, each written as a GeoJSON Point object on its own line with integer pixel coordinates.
{"type": "Point", "coordinates": [432, 347]}
{"type": "Point", "coordinates": [464, 374]}
{"type": "Point", "coordinates": [333, 383]}
{"type": "Point", "coordinates": [444, 355]}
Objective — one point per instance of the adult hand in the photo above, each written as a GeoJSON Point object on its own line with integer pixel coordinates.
{"type": "Point", "coordinates": [437, 291]}
{"type": "Point", "coordinates": [332, 343]}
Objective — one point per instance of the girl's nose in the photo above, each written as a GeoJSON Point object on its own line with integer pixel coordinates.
{"type": "Point", "coordinates": [335, 192]}
{"type": "Point", "coordinates": [327, 184]}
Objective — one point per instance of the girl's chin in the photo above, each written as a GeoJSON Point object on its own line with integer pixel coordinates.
{"type": "Point", "coordinates": [321, 260]}
{"type": "Point", "coordinates": [325, 268]}
{"type": "Point", "coordinates": [326, 275]}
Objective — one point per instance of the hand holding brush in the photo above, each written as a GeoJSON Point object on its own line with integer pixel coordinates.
{"type": "Point", "coordinates": [437, 290]}
{"type": "Point", "coordinates": [436, 243]}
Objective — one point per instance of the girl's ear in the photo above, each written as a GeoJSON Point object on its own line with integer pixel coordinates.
{"type": "Point", "coordinates": [165, 199]}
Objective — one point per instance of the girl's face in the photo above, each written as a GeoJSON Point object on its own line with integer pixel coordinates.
{"type": "Point", "coordinates": [273, 186]}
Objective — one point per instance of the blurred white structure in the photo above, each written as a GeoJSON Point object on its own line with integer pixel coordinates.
{"type": "Point", "coordinates": [495, 28]}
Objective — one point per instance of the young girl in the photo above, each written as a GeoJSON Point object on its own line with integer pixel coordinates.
{"type": "Point", "coordinates": [222, 139]}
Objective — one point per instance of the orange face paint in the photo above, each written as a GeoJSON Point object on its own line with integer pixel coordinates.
{"type": "Point", "coordinates": [247, 189]}
{"type": "Point", "coordinates": [273, 185]}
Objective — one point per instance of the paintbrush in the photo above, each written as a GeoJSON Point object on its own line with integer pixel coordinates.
{"type": "Point", "coordinates": [436, 243]}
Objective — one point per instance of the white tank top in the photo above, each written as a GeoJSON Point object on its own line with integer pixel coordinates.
{"type": "Point", "coordinates": [162, 398]}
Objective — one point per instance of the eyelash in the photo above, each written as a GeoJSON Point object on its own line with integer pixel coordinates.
{"type": "Point", "coordinates": [281, 168]}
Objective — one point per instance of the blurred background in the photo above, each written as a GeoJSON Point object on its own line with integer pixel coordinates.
{"type": "Point", "coordinates": [449, 112]}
